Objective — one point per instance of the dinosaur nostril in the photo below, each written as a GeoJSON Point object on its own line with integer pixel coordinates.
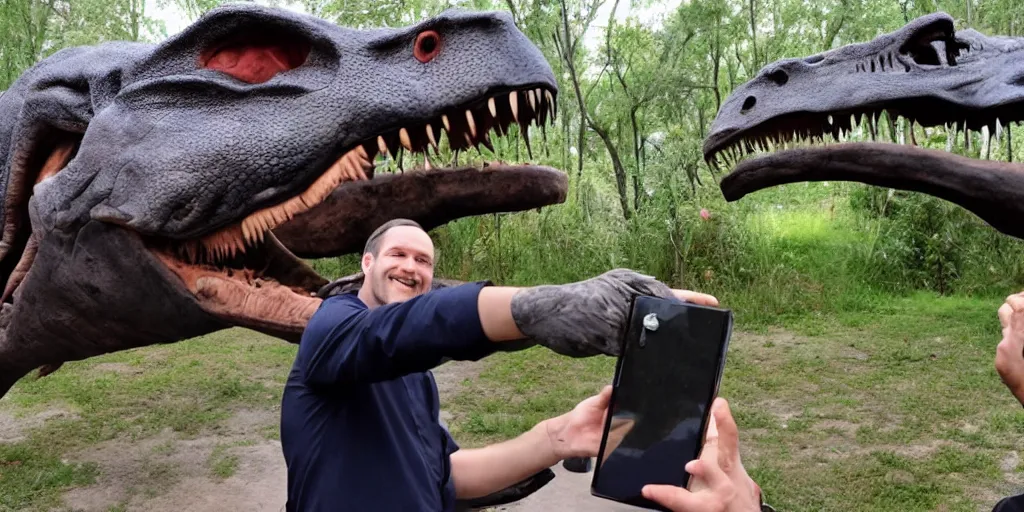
{"type": "Point", "coordinates": [779, 77]}
{"type": "Point", "coordinates": [749, 103]}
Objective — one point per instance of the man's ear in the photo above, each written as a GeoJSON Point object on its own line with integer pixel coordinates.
{"type": "Point", "coordinates": [366, 262]}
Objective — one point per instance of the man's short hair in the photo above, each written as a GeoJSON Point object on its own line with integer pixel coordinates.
{"type": "Point", "coordinates": [373, 243]}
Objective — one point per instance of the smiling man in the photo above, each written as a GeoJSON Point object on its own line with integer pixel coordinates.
{"type": "Point", "coordinates": [360, 425]}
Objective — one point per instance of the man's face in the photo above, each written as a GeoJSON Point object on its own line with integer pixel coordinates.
{"type": "Point", "coordinates": [403, 267]}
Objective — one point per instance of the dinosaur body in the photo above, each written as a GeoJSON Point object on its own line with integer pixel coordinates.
{"type": "Point", "coordinates": [143, 184]}
{"type": "Point", "coordinates": [926, 74]}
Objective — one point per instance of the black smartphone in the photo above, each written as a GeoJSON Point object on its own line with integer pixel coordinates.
{"type": "Point", "coordinates": [666, 379]}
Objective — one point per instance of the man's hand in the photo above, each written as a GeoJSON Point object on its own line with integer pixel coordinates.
{"type": "Point", "coordinates": [1010, 351]}
{"type": "Point", "coordinates": [578, 432]}
{"type": "Point", "coordinates": [718, 481]}
{"type": "Point", "coordinates": [588, 318]}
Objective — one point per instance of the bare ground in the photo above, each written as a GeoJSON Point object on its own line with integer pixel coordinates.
{"type": "Point", "coordinates": [166, 473]}
{"type": "Point", "coordinates": [235, 469]}
{"type": "Point", "coordinates": [237, 465]}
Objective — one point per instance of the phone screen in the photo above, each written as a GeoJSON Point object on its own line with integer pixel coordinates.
{"type": "Point", "coordinates": [665, 382]}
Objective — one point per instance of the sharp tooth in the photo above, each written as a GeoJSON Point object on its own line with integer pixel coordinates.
{"type": "Point", "coordinates": [533, 100]}
{"type": "Point", "coordinates": [551, 104]}
{"type": "Point", "coordinates": [513, 101]}
{"type": "Point", "coordinates": [444, 119]}
{"type": "Point", "coordinates": [472, 124]}
{"type": "Point", "coordinates": [403, 136]}
{"type": "Point", "coordinates": [426, 162]}
{"type": "Point", "coordinates": [492, 107]}
{"type": "Point", "coordinates": [524, 130]}
{"type": "Point", "coordinates": [383, 147]}
{"type": "Point", "coordinates": [245, 230]}
{"type": "Point", "coordinates": [430, 136]}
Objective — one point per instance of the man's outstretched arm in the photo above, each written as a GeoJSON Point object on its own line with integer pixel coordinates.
{"type": "Point", "coordinates": [465, 322]}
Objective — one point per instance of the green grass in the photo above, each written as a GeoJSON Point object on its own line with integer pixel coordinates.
{"type": "Point", "coordinates": [898, 409]}
{"type": "Point", "coordinates": [187, 389]}
{"type": "Point", "coordinates": [855, 386]}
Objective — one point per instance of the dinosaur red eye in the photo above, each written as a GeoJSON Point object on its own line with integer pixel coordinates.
{"type": "Point", "coordinates": [427, 45]}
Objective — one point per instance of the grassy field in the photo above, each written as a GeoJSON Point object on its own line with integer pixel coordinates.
{"type": "Point", "coordinates": [851, 391]}
{"type": "Point", "coordinates": [898, 409]}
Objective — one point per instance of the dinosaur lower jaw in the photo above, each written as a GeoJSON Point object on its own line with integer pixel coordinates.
{"type": "Point", "coordinates": [266, 289]}
{"type": "Point", "coordinates": [992, 190]}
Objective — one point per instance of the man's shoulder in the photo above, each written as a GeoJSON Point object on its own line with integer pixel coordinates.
{"type": "Point", "coordinates": [343, 300]}
{"type": "Point", "coordinates": [335, 309]}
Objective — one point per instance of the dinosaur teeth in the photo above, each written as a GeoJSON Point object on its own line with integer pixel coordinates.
{"type": "Point", "coordinates": [233, 240]}
{"type": "Point", "coordinates": [403, 136]}
{"type": "Point", "coordinates": [552, 106]}
{"type": "Point", "coordinates": [447, 125]}
{"type": "Point", "coordinates": [471, 123]}
{"type": "Point", "coordinates": [513, 103]}
{"type": "Point", "coordinates": [492, 107]}
{"type": "Point", "coordinates": [430, 136]}
{"type": "Point", "coordinates": [382, 146]}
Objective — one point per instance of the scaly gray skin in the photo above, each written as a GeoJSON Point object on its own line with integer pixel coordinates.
{"type": "Point", "coordinates": [583, 319]}
{"type": "Point", "coordinates": [152, 172]}
{"type": "Point", "coordinates": [927, 73]}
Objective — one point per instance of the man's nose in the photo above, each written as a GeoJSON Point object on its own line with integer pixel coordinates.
{"type": "Point", "coordinates": [409, 264]}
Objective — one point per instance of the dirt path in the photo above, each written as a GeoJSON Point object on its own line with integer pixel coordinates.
{"type": "Point", "coordinates": [239, 469]}
{"type": "Point", "coordinates": [235, 469]}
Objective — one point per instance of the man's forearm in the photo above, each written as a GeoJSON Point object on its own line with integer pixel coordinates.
{"type": "Point", "coordinates": [481, 471]}
{"type": "Point", "coordinates": [495, 306]}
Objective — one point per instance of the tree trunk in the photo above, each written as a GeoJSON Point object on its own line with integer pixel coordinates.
{"type": "Point", "coordinates": [620, 171]}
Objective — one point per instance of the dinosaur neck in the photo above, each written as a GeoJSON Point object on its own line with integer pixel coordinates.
{"type": "Point", "coordinates": [10, 369]}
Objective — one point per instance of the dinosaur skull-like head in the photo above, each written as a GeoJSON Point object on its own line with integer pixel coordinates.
{"type": "Point", "coordinates": [148, 182]}
{"type": "Point", "coordinates": [925, 74]}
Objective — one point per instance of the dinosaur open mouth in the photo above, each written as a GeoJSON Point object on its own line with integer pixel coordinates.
{"type": "Point", "coordinates": [827, 146]}
{"type": "Point", "coordinates": [246, 275]}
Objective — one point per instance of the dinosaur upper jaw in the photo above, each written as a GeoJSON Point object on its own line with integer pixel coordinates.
{"type": "Point", "coordinates": [248, 274]}
{"type": "Point", "coordinates": [992, 190]}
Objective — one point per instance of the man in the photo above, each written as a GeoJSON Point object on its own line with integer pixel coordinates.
{"type": "Point", "coordinates": [359, 417]}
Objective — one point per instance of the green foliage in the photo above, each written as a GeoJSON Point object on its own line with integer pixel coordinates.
{"type": "Point", "coordinates": [929, 243]}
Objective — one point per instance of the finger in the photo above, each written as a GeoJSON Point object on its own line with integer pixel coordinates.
{"type": "Point", "coordinates": [1016, 302]}
{"type": "Point", "coordinates": [601, 400]}
{"type": "Point", "coordinates": [728, 436]}
{"type": "Point", "coordinates": [1005, 313]}
{"type": "Point", "coordinates": [671, 497]}
{"type": "Point", "coordinates": [706, 470]}
{"type": "Point", "coordinates": [696, 297]}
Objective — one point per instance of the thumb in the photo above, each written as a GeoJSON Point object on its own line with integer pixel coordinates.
{"type": "Point", "coordinates": [603, 398]}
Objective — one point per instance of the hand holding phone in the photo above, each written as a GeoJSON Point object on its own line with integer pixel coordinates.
{"type": "Point", "coordinates": [665, 381]}
{"type": "Point", "coordinates": [718, 481]}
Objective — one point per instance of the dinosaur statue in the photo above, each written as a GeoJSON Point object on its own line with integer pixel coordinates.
{"type": "Point", "coordinates": [144, 185]}
{"type": "Point", "coordinates": [926, 73]}
{"type": "Point", "coordinates": [153, 193]}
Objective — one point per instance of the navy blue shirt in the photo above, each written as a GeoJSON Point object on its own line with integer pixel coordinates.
{"type": "Point", "coordinates": [359, 416]}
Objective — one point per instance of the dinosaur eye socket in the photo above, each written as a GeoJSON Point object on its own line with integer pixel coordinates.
{"type": "Point", "coordinates": [779, 77]}
{"type": "Point", "coordinates": [427, 46]}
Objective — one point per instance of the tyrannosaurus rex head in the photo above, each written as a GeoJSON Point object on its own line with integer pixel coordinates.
{"type": "Point", "coordinates": [144, 183]}
{"type": "Point", "coordinates": [926, 73]}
